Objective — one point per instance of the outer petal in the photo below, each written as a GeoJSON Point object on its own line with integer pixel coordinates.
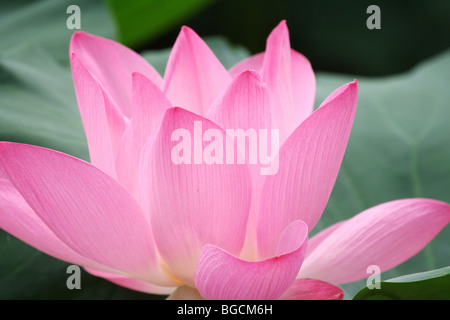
{"type": "Point", "coordinates": [310, 289]}
{"type": "Point", "coordinates": [89, 211]}
{"type": "Point", "coordinates": [385, 235]}
{"type": "Point", "coordinates": [18, 219]}
{"type": "Point", "coordinates": [192, 204]}
{"type": "Point", "coordinates": [149, 106]}
{"type": "Point", "coordinates": [112, 65]}
{"type": "Point", "coordinates": [309, 163]}
{"type": "Point", "coordinates": [194, 77]}
{"type": "Point", "coordinates": [132, 283]}
{"type": "Point", "coordinates": [94, 106]}
{"type": "Point", "coordinates": [220, 275]}
{"type": "Point", "coordinates": [303, 86]}
{"type": "Point", "coordinates": [277, 73]}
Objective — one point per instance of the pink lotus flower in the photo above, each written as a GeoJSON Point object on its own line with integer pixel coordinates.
{"type": "Point", "coordinates": [221, 231]}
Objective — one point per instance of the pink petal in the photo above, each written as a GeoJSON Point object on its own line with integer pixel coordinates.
{"type": "Point", "coordinates": [93, 105]}
{"type": "Point", "coordinates": [319, 237]}
{"type": "Point", "coordinates": [277, 73]}
{"type": "Point", "coordinates": [310, 289]}
{"type": "Point", "coordinates": [192, 204]}
{"type": "Point", "coordinates": [309, 162]}
{"type": "Point", "coordinates": [112, 65]}
{"type": "Point", "coordinates": [303, 81]}
{"type": "Point", "coordinates": [289, 76]}
{"type": "Point", "coordinates": [131, 283]}
{"type": "Point", "coordinates": [194, 77]}
{"type": "Point", "coordinates": [303, 86]}
{"type": "Point", "coordinates": [385, 235]}
{"type": "Point", "coordinates": [18, 219]}
{"type": "Point", "coordinates": [148, 108]}
{"type": "Point", "coordinates": [246, 105]}
{"type": "Point", "coordinates": [85, 208]}
{"type": "Point", "coordinates": [220, 275]}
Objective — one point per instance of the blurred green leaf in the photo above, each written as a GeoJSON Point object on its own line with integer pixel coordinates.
{"type": "Point", "coordinates": [38, 104]}
{"type": "Point", "coordinates": [228, 53]}
{"type": "Point", "coordinates": [431, 285]}
{"type": "Point", "coordinates": [157, 58]}
{"type": "Point", "coordinates": [399, 147]}
{"type": "Point", "coordinates": [43, 22]}
{"type": "Point", "coordinates": [141, 20]}
{"type": "Point", "coordinates": [26, 273]}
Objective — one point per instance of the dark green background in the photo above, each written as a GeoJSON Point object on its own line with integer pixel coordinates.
{"type": "Point", "coordinates": [333, 34]}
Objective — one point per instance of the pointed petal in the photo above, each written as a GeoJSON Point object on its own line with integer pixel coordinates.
{"type": "Point", "coordinates": [220, 275]}
{"type": "Point", "coordinates": [303, 86]}
{"type": "Point", "coordinates": [131, 283]}
{"type": "Point", "coordinates": [385, 235]}
{"type": "Point", "coordinates": [85, 208]}
{"type": "Point", "coordinates": [192, 204]}
{"type": "Point", "coordinates": [92, 105]}
{"type": "Point", "coordinates": [149, 106]}
{"type": "Point", "coordinates": [194, 77]}
{"type": "Point", "coordinates": [310, 289]}
{"type": "Point", "coordinates": [309, 162]}
{"type": "Point", "coordinates": [245, 105]}
{"type": "Point", "coordinates": [112, 65]}
{"type": "Point", "coordinates": [303, 81]}
{"type": "Point", "coordinates": [277, 73]}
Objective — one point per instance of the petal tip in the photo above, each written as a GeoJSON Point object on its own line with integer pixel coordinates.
{"type": "Point", "coordinates": [282, 25]}
{"type": "Point", "coordinates": [250, 74]}
{"type": "Point", "coordinates": [77, 36]}
{"type": "Point", "coordinates": [352, 86]}
{"type": "Point", "coordinates": [171, 114]}
{"type": "Point", "coordinates": [293, 238]}
{"type": "Point", "coordinates": [281, 29]}
{"type": "Point", "coordinates": [187, 32]}
{"type": "Point", "coordinates": [138, 77]}
{"type": "Point", "coordinates": [438, 204]}
{"type": "Point", "coordinates": [185, 28]}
